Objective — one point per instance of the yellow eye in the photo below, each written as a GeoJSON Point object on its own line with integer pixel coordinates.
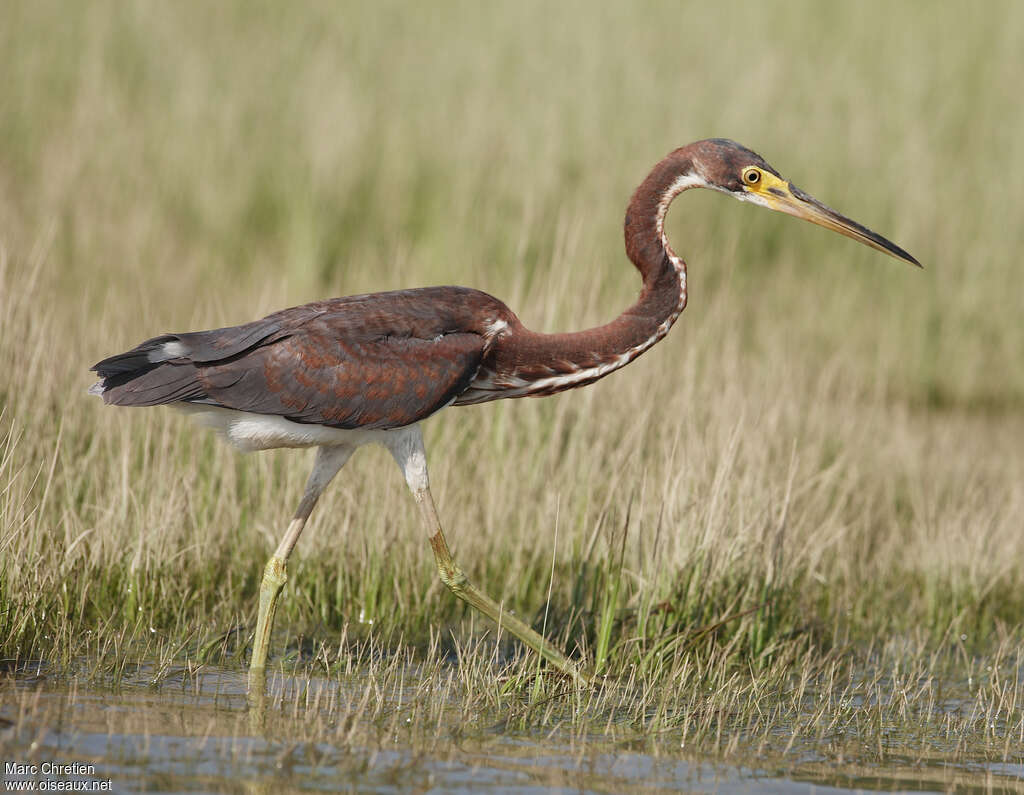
{"type": "Point", "coordinates": [751, 175]}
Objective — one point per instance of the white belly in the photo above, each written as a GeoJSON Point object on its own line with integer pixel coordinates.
{"type": "Point", "coordinates": [249, 432]}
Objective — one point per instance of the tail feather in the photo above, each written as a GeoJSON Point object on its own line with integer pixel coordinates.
{"type": "Point", "coordinates": [150, 374]}
{"type": "Point", "coordinates": [165, 369]}
{"type": "Point", "coordinates": [141, 357]}
{"type": "Point", "coordinates": [154, 386]}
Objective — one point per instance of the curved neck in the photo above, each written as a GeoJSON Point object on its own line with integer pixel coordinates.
{"type": "Point", "coordinates": [524, 363]}
{"type": "Point", "coordinates": [646, 244]}
{"type": "Point", "coordinates": [663, 295]}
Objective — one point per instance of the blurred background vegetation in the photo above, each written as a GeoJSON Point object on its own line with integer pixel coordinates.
{"type": "Point", "coordinates": [825, 426]}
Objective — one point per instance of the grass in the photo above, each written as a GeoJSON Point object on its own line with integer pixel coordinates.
{"type": "Point", "coordinates": [383, 713]}
{"type": "Point", "coordinates": [823, 460]}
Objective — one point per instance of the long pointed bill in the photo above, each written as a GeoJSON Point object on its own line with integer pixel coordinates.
{"type": "Point", "coordinates": [786, 197]}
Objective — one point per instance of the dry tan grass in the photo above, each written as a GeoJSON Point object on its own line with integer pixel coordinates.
{"type": "Point", "coordinates": [827, 436]}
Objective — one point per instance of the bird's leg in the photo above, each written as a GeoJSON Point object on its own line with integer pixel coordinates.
{"type": "Point", "coordinates": [456, 580]}
{"type": "Point", "coordinates": [328, 461]}
{"type": "Point", "coordinates": [407, 448]}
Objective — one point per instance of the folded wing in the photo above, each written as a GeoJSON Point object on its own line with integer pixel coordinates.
{"type": "Point", "coordinates": [350, 363]}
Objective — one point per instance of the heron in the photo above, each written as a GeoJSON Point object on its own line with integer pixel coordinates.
{"type": "Point", "coordinates": [368, 369]}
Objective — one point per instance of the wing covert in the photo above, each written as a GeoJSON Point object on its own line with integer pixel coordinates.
{"type": "Point", "coordinates": [313, 376]}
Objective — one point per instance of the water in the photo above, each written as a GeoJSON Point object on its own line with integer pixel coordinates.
{"type": "Point", "coordinates": [195, 731]}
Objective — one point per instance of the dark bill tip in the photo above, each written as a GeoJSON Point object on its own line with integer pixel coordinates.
{"type": "Point", "coordinates": [826, 216]}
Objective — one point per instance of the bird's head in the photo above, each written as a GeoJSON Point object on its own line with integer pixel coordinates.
{"type": "Point", "coordinates": [731, 168]}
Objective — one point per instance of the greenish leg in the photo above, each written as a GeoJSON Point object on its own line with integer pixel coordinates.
{"type": "Point", "coordinates": [328, 461]}
{"type": "Point", "coordinates": [407, 448]}
{"type": "Point", "coordinates": [459, 584]}
{"type": "Point", "coordinates": [275, 575]}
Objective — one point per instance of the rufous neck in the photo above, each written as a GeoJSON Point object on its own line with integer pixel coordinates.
{"type": "Point", "coordinates": [646, 244]}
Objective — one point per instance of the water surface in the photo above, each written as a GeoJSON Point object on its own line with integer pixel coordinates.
{"type": "Point", "coordinates": [195, 731]}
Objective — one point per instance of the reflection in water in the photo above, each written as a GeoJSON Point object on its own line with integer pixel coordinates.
{"type": "Point", "coordinates": [197, 731]}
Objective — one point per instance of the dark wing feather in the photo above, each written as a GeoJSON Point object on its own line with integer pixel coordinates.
{"type": "Point", "coordinates": [148, 375]}
{"type": "Point", "coordinates": [373, 361]}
